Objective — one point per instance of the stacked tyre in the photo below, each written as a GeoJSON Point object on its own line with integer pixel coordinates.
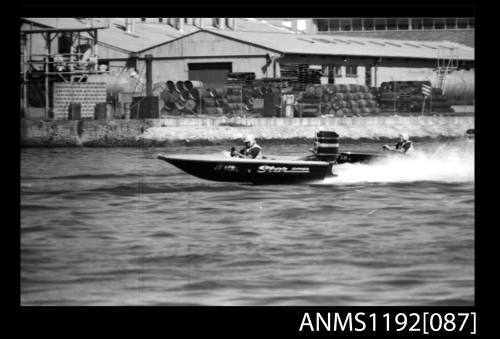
{"type": "Point", "coordinates": [213, 101]}
{"type": "Point", "coordinates": [348, 99]}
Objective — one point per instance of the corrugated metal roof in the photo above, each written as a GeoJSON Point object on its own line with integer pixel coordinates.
{"type": "Point", "coordinates": [338, 45]}
{"type": "Point", "coordinates": [257, 32]}
{"type": "Point", "coordinates": [260, 25]}
{"type": "Point", "coordinates": [146, 34]}
{"type": "Point", "coordinates": [60, 23]}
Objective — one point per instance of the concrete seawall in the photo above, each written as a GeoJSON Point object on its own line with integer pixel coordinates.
{"type": "Point", "coordinates": [105, 133]}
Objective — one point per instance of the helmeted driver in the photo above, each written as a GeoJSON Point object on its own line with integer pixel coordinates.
{"type": "Point", "coordinates": [251, 149]}
{"type": "Point", "coordinates": [402, 146]}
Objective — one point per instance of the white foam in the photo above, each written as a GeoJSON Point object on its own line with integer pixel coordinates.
{"type": "Point", "coordinates": [445, 163]}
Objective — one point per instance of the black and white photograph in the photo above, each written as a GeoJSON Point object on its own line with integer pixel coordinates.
{"type": "Point", "coordinates": [234, 161]}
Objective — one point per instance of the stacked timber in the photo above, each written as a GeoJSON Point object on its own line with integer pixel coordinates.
{"type": "Point", "coordinates": [240, 78]}
{"type": "Point", "coordinates": [300, 75]}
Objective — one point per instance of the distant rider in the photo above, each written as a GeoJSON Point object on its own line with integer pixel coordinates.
{"type": "Point", "coordinates": [469, 134]}
{"type": "Point", "coordinates": [251, 150]}
{"type": "Point", "coordinates": [403, 146]}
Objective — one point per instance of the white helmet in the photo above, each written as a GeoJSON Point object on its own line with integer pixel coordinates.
{"type": "Point", "coordinates": [249, 138]}
{"type": "Point", "coordinates": [404, 136]}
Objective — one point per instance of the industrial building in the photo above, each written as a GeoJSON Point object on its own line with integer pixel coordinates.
{"type": "Point", "coordinates": [455, 29]}
{"type": "Point", "coordinates": [209, 54]}
{"type": "Point", "coordinates": [206, 49]}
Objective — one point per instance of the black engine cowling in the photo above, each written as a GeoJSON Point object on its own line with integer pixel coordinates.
{"type": "Point", "coordinates": [326, 146]}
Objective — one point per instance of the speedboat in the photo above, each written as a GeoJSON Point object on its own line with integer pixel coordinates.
{"type": "Point", "coordinates": [271, 169]}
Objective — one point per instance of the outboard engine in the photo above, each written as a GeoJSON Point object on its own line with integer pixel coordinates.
{"type": "Point", "coordinates": [326, 146]}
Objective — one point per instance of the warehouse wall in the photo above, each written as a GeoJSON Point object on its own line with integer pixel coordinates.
{"type": "Point", "coordinates": [177, 69]}
{"type": "Point", "coordinates": [105, 52]}
{"type": "Point", "coordinates": [202, 44]}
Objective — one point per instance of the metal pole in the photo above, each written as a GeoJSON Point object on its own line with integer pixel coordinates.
{"type": "Point", "coordinates": [25, 84]}
{"type": "Point", "coordinates": [47, 86]}
{"type": "Point", "coordinates": [320, 93]}
{"type": "Point", "coordinates": [423, 105]}
{"type": "Point", "coordinates": [395, 96]}
{"type": "Point", "coordinates": [96, 66]}
{"type": "Point", "coordinates": [149, 74]}
{"type": "Point", "coordinates": [46, 116]}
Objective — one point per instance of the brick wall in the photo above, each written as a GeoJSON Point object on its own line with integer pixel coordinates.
{"type": "Point", "coordinates": [88, 94]}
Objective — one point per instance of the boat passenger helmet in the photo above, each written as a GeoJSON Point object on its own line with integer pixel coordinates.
{"type": "Point", "coordinates": [404, 137]}
{"type": "Point", "coordinates": [249, 139]}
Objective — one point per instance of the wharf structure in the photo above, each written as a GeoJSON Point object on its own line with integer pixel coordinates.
{"type": "Point", "coordinates": [122, 62]}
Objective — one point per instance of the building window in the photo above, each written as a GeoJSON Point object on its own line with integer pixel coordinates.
{"type": "Point", "coordinates": [451, 23]}
{"type": "Point", "coordinates": [380, 24]}
{"type": "Point", "coordinates": [462, 23]}
{"type": "Point", "coordinates": [337, 71]}
{"type": "Point", "coordinates": [143, 19]}
{"type": "Point", "coordinates": [403, 24]}
{"type": "Point", "coordinates": [439, 23]}
{"type": "Point", "coordinates": [334, 24]}
{"type": "Point", "coordinates": [417, 23]}
{"type": "Point", "coordinates": [216, 22]}
{"type": "Point", "coordinates": [351, 71]}
{"type": "Point", "coordinates": [160, 19]}
{"type": "Point", "coordinates": [383, 24]}
{"type": "Point", "coordinates": [322, 25]}
{"type": "Point", "coordinates": [329, 71]}
{"type": "Point", "coordinates": [345, 24]}
{"type": "Point", "coordinates": [357, 24]}
{"type": "Point", "coordinates": [428, 23]}
{"type": "Point", "coordinates": [332, 71]}
{"type": "Point", "coordinates": [368, 24]}
{"type": "Point", "coordinates": [392, 24]}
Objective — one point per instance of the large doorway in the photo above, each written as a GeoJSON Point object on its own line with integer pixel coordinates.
{"type": "Point", "coordinates": [368, 75]}
{"type": "Point", "coordinates": [212, 74]}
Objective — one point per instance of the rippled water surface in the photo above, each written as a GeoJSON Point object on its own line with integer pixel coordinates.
{"type": "Point", "coordinates": [115, 226]}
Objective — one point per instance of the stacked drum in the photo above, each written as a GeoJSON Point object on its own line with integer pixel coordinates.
{"type": "Point", "coordinates": [178, 98]}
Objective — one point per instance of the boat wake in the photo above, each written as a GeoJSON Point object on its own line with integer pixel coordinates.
{"type": "Point", "coordinates": [447, 163]}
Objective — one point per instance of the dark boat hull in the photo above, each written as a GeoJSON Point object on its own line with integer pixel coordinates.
{"type": "Point", "coordinates": [250, 170]}
{"type": "Point", "coordinates": [354, 157]}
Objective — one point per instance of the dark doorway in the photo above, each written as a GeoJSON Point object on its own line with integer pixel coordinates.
{"type": "Point", "coordinates": [213, 74]}
{"type": "Point", "coordinates": [368, 75]}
